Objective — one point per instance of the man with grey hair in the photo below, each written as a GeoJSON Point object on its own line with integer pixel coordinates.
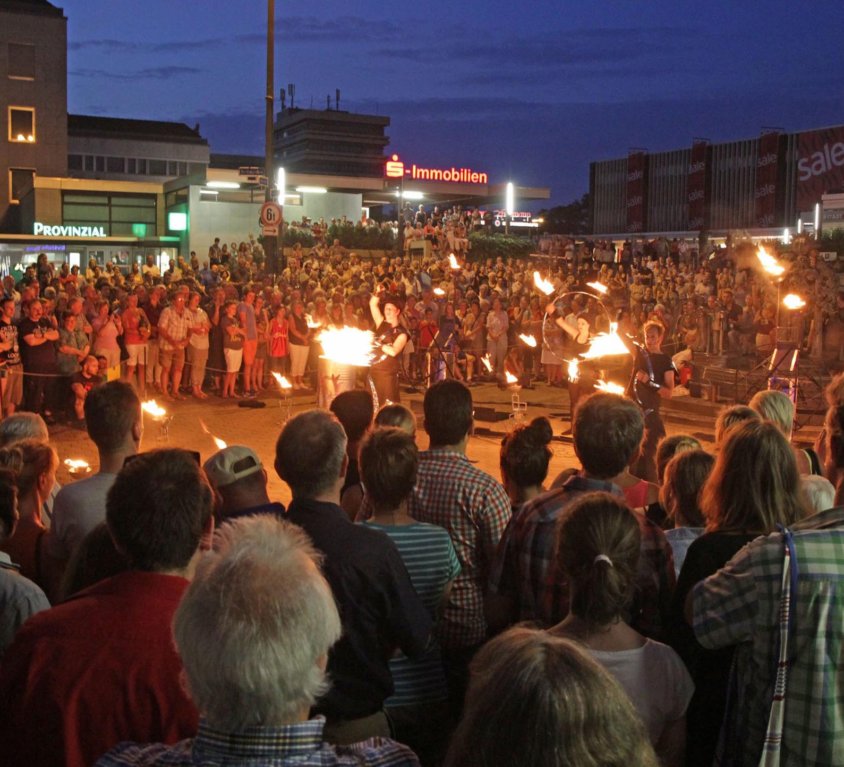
{"type": "Point", "coordinates": [378, 606]}
{"type": "Point", "coordinates": [258, 594]}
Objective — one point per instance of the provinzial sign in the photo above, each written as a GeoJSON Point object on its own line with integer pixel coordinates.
{"type": "Point", "coordinates": [395, 168]}
{"type": "Point", "coordinates": [69, 230]}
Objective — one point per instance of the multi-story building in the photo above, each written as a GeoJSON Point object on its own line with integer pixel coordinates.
{"type": "Point", "coordinates": [33, 100]}
{"type": "Point", "coordinates": [767, 182]}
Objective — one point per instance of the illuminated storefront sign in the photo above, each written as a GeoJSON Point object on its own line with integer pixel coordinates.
{"type": "Point", "coordinates": [68, 231]}
{"type": "Point", "coordinates": [395, 168]}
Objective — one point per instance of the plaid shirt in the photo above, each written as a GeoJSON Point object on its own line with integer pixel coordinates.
{"type": "Point", "coordinates": [524, 567]}
{"type": "Point", "coordinates": [739, 605]}
{"type": "Point", "coordinates": [298, 745]}
{"type": "Point", "coordinates": [473, 507]}
{"type": "Point", "coordinates": [176, 326]}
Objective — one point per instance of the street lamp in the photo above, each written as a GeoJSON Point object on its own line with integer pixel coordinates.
{"type": "Point", "coordinates": [509, 204]}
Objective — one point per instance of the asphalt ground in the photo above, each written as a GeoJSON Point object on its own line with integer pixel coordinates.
{"type": "Point", "coordinates": [259, 427]}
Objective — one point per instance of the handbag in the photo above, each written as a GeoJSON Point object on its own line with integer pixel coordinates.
{"type": "Point", "coordinates": [772, 745]}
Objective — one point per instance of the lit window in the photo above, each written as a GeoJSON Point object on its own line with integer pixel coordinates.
{"type": "Point", "coordinates": [19, 180]}
{"type": "Point", "coordinates": [22, 124]}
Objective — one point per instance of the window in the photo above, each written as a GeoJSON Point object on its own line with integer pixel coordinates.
{"type": "Point", "coordinates": [74, 162]}
{"type": "Point", "coordinates": [21, 61]}
{"type": "Point", "coordinates": [131, 165]}
{"type": "Point", "coordinates": [22, 124]}
{"type": "Point", "coordinates": [19, 179]}
{"type": "Point", "coordinates": [100, 164]}
{"type": "Point", "coordinates": [158, 167]}
{"type": "Point", "coordinates": [115, 165]}
{"type": "Point", "coordinates": [89, 162]}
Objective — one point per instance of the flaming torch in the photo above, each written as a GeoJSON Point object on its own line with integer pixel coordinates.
{"type": "Point", "coordinates": [529, 340]}
{"type": "Point", "coordinates": [542, 285]}
{"type": "Point", "coordinates": [452, 261]}
{"type": "Point", "coordinates": [574, 370]}
{"type": "Point", "coordinates": [285, 386]}
{"type": "Point", "coordinates": [439, 292]}
{"type": "Point", "coordinates": [487, 363]}
{"type": "Point", "coordinates": [217, 441]}
{"type": "Point", "coordinates": [598, 287]}
{"type": "Point", "coordinates": [793, 301]}
{"type": "Point", "coordinates": [769, 263]}
{"type": "Point", "coordinates": [310, 322]}
{"type": "Point", "coordinates": [76, 466]}
{"type": "Point", "coordinates": [609, 386]}
{"type": "Point", "coordinates": [347, 346]}
{"type": "Point", "coordinates": [606, 344]}
{"type": "Point", "coordinates": [158, 413]}
{"type": "Point", "coordinates": [510, 378]}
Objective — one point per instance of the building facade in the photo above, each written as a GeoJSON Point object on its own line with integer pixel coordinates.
{"type": "Point", "coordinates": [766, 182]}
{"type": "Point", "coordinates": [33, 100]}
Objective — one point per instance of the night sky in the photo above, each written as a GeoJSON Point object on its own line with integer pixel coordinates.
{"type": "Point", "coordinates": [529, 92]}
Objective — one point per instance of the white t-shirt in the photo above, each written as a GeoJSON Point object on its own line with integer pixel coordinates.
{"type": "Point", "coordinates": [79, 508]}
{"type": "Point", "coordinates": [655, 679]}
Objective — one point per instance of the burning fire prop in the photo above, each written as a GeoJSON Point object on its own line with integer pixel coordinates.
{"type": "Point", "coordinates": [597, 286]}
{"type": "Point", "coordinates": [282, 382]}
{"type": "Point", "coordinates": [76, 466]}
{"type": "Point", "coordinates": [793, 301]}
{"type": "Point", "coordinates": [529, 340]}
{"type": "Point", "coordinates": [217, 441]}
{"type": "Point", "coordinates": [606, 345]}
{"type": "Point", "coordinates": [452, 261]}
{"type": "Point", "coordinates": [152, 408]}
{"type": "Point", "coordinates": [347, 346]}
{"type": "Point", "coordinates": [574, 370]}
{"type": "Point", "coordinates": [487, 363]}
{"type": "Point", "coordinates": [542, 285]}
{"type": "Point", "coordinates": [769, 263]}
{"type": "Point", "coordinates": [609, 386]}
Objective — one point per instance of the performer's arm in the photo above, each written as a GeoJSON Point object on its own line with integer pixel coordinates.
{"type": "Point", "coordinates": [551, 311]}
{"type": "Point", "coordinates": [375, 310]}
{"type": "Point", "coordinates": [395, 349]}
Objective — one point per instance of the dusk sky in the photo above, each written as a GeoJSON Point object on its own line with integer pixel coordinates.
{"type": "Point", "coordinates": [529, 92]}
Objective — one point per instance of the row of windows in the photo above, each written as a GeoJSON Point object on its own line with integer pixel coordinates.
{"type": "Point", "coordinates": [120, 214]}
{"type": "Point", "coordinates": [131, 166]}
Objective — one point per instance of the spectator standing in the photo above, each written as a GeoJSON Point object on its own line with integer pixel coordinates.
{"type": "Point", "coordinates": [173, 329]}
{"type": "Point", "coordinates": [198, 346]}
{"type": "Point", "coordinates": [379, 609]}
{"type": "Point", "coordinates": [11, 372]}
{"type": "Point", "coordinates": [136, 333]}
{"type": "Point", "coordinates": [240, 481]}
{"type": "Point", "coordinates": [38, 336]}
{"type": "Point", "coordinates": [107, 328]}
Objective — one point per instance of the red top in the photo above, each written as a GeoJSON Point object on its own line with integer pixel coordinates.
{"type": "Point", "coordinates": [93, 671]}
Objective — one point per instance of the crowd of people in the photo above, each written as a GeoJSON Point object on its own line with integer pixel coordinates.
{"type": "Point", "coordinates": [224, 324]}
{"type": "Point", "coordinates": [408, 608]}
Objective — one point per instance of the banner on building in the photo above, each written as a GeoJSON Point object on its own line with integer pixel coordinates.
{"type": "Point", "coordinates": [637, 191]}
{"type": "Point", "coordinates": [697, 185]}
{"type": "Point", "coordinates": [768, 192]}
{"type": "Point", "coordinates": [820, 165]}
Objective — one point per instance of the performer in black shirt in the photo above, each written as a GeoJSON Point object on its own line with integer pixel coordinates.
{"type": "Point", "coordinates": [652, 382]}
{"type": "Point", "coordinates": [390, 340]}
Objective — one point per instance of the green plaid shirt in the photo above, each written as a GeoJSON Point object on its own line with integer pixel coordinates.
{"type": "Point", "coordinates": [739, 605]}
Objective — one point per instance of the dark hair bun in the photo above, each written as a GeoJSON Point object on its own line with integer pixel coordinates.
{"type": "Point", "coordinates": [540, 430]}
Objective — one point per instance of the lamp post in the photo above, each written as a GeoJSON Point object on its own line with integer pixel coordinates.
{"type": "Point", "coordinates": [270, 241]}
{"type": "Point", "coordinates": [509, 204]}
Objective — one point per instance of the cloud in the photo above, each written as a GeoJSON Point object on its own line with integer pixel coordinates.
{"type": "Point", "coordinates": [150, 73]}
{"type": "Point", "coordinates": [296, 30]}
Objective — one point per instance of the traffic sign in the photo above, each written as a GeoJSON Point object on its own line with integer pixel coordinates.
{"type": "Point", "coordinates": [269, 231]}
{"type": "Point", "coordinates": [270, 214]}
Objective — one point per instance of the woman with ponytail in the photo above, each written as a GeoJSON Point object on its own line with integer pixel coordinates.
{"type": "Point", "coordinates": [598, 544]}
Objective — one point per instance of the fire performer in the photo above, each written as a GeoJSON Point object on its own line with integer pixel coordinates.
{"type": "Point", "coordinates": [580, 380]}
{"type": "Point", "coordinates": [652, 381]}
{"type": "Point", "coordinates": [390, 339]}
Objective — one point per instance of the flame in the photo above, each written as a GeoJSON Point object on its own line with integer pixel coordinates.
{"type": "Point", "coordinates": [602, 289]}
{"type": "Point", "coordinates": [529, 340]}
{"type": "Point", "coordinates": [606, 344]}
{"type": "Point", "coordinates": [487, 363]}
{"type": "Point", "coordinates": [439, 292]}
{"type": "Point", "coordinates": [282, 382]}
{"type": "Point", "coordinates": [310, 322]}
{"type": "Point", "coordinates": [769, 263]}
{"type": "Point", "coordinates": [544, 285]}
{"type": "Point", "coordinates": [217, 441]}
{"type": "Point", "coordinates": [510, 378]}
{"type": "Point", "coordinates": [793, 301]}
{"type": "Point", "coordinates": [77, 465]}
{"type": "Point", "coordinates": [151, 407]}
{"type": "Point", "coordinates": [347, 346]}
{"type": "Point", "coordinates": [609, 386]}
{"type": "Point", "coordinates": [574, 370]}
{"type": "Point", "coordinates": [452, 261]}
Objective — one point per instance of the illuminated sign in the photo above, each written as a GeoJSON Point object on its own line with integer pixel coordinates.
{"type": "Point", "coordinates": [395, 168]}
{"type": "Point", "coordinates": [68, 231]}
{"type": "Point", "coordinates": [177, 222]}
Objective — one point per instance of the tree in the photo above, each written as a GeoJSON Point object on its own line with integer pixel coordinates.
{"type": "Point", "coordinates": [574, 218]}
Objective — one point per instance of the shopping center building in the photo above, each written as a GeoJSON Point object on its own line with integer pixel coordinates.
{"type": "Point", "coordinates": [762, 185]}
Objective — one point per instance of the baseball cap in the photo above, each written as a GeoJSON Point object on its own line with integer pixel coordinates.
{"type": "Point", "coordinates": [230, 464]}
